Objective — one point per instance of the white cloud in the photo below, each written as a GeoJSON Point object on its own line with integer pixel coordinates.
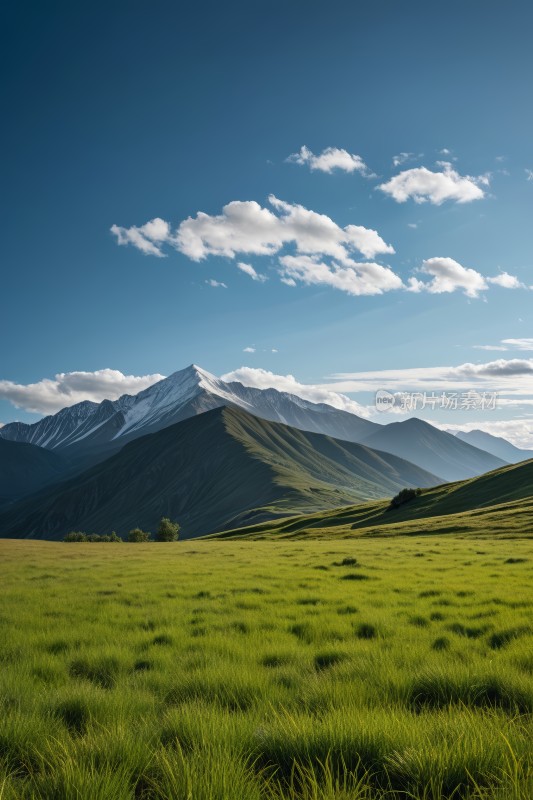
{"type": "Point", "coordinates": [351, 277]}
{"type": "Point", "coordinates": [514, 376]}
{"type": "Point", "coordinates": [67, 388]}
{"type": "Point", "coordinates": [525, 345]}
{"type": "Point", "coordinates": [506, 281]}
{"type": "Point", "coordinates": [249, 350]}
{"type": "Point", "coordinates": [413, 225]}
{"type": "Point", "coordinates": [216, 284]}
{"type": "Point", "coordinates": [489, 347]}
{"type": "Point", "coordinates": [147, 238]}
{"type": "Point", "coordinates": [249, 270]}
{"type": "Point", "coordinates": [448, 276]}
{"type": "Point", "coordinates": [263, 379]}
{"type": "Point", "coordinates": [519, 344]}
{"type": "Point", "coordinates": [330, 159]}
{"type": "Point", "coordinates": [403, 158]}
{"type": "Point", "coordinates": [529, 174]}
{"type": "Point", "coordinates": [423, 185]}
{"type": "Point", "coordinates": [246, 227]}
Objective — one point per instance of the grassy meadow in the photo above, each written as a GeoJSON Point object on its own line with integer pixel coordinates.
{"type": "Point", "coordinates": [336, 669]}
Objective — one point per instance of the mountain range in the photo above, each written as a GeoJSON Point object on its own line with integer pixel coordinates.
{"type": "Point", "coordinates": [172, 450]}
{"type": "Point", "coordinates": [88, 432]}
{"type": "Point", "coordinates": [495, 445]}
{"type": "Point", "coordinates": [432, 449]}
{"type": "Point", "coordinates": [220, 469]}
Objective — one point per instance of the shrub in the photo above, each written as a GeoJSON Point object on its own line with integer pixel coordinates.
{"type": "Point", "coordinates": [168, 531]}
{"type": "Point", "coordinates": [79, 536]}
{"type": "Point", "coordinates": [137, 535]}
{"type": "Point", "coordinates": [404, 496]}
{"type": "Point", "coordinates": [76, 536]}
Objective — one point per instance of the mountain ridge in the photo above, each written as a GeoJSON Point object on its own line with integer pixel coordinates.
{"type": "Point", "coordinates": [432, 449]}
{"type": "Point", "coordinates": [93, 431]}
{"type": "Point", "coordinates": [495, 445]}
{"type": "Point", "coordinates": [222, 468]}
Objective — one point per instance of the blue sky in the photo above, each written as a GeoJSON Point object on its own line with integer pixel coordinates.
{"type": "Point", "coordinates": [120, 113]}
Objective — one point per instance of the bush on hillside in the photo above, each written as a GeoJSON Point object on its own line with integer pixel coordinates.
{"type": "Point", "coordinates": [79, 536]}
{"type": "Point", "coordinates": [75, 536]}
{"type": "Point", "coordinates": [137, 535]}
{"type": "Point", "coordinates": [404, 496]}
{"type": "Point", "coordinates": [168, 531]}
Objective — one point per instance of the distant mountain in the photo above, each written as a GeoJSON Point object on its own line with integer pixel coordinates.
{"type": "Point", "coordinates": [89, 432]}
{"type": "Point", "coordinates": [220, 469]}
{"type": "Point", "coordinates": [434, 450]}
{"type": "Point", "coordinates": [498, 503]}
{"type": "Point", "coordinates": [495, 445]}
{"type": "Point", "coordinates": [25, 468]}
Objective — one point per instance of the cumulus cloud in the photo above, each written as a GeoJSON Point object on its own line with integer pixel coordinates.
{"type": "Point", "coordinates": [263, 379]}
{"type": "Point", "coordinates": [68, 388]}
{"type": "Point", "coordinates": [216, 284]}
{"type": "Point", "coordinates": [450, 276]}
{"type": "Point", "coordinates": [330, 159]}
{"type": "Point", "coordinates": [249, 270]}
{"type": "Point", "coordinates": [423, 185]}
{"type": "Point", "coordinates": [249, 350]}
{"type": "Point", "coordinates": [506, 281]}
{"type": "Point", "coordinates": [246, 227]}
{"type": "Point", "coordinates": [351, 277]}
{"type": "Point", "coordinates": [529, 174]}
{"type": "Point", "coordinates": [147, 238]}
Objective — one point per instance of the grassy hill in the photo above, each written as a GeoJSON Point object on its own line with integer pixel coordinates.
{"type": "Point", "coordinates": [497, 503]}
{"type": "Point", "coordinates": [217, 470]}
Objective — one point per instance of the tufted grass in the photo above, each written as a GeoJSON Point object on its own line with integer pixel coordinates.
{"type": "Point", "coordinates": [258, 671]}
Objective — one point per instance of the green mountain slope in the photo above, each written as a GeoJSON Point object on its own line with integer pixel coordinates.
{"type": "Point", "coordinates": [25, 468]}
{"type": "Point", "coordinates": [220, 469]}
{"type": "Point", "coordinates": [498, 502]}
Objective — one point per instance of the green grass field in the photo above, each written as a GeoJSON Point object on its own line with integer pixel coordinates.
{"type": "Point", "coordinates": [337, 669]}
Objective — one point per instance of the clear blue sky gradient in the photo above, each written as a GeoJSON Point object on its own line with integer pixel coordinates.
{"type": "Point", "coordinates": [119, 112]}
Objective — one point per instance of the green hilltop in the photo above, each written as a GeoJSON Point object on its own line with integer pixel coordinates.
{"type": "Point", "coordinates": [496, 503]}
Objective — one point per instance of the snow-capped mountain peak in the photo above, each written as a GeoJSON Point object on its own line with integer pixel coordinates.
{"type": "Point", "coordinates": [183, 394]}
